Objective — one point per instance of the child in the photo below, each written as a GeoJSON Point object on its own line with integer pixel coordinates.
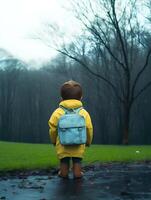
{"type": "Point", "coordinates": [71, 93]}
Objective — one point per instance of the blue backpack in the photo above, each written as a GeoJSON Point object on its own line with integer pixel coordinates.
{"type": "Point", "coordinates": [72, 127]}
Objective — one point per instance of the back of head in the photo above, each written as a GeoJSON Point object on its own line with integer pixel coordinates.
{"type": "Point", "coordinates": [71, 90]}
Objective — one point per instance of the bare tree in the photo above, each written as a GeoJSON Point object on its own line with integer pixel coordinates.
{"type": "Point", "coordinates": [113, 28]}
{"type": "Point", "coordinates": [117, 33]}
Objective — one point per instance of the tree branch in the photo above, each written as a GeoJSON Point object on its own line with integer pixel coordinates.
{"type": "Point", "coordinates": [140, 73]}
{"type": "Point", "coordinates": [116, 25]}
{"type": "Point", "coordinates": [92, 72]}
{"type": "Point", "coordinates": [91, 27]}
{"type": "Point", "coordinates": [94, 31]}
{"type": "Point", "coordinates": [141, 91]}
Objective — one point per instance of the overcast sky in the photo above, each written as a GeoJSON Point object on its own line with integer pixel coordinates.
{"type": "Point", "coordinates": [19, 19]}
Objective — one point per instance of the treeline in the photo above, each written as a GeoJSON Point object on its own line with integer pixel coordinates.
{"type": "Point", "coordinates": [28, 97]}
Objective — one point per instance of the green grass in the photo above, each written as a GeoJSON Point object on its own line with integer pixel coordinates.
{"type": "Point", "coordinates": [118, 153]}
{"type": "Point", "coordinates": [15, 156]}
{"type": "Point", "coordinates": [26, 156]}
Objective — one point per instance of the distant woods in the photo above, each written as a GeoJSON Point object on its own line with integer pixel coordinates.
{"type": "Point", "coordinates": [28, 97]}
{"type": "Point", "coordinates": [111, 60]}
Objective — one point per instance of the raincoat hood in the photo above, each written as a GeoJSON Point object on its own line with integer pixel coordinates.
{"type": "Point", "coordinates": [71, 103]}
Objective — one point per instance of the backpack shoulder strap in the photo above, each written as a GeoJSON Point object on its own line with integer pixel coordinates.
{"type": "Point", "coordinates": [77, 110]}
{"type": "Point", "coordinates": [65, 109]}
{"type": "Point", "coordinates": [71, 110]}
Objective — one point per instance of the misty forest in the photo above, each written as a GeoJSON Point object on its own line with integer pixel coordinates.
{"type": "Point", "coordinates": [111, 58]}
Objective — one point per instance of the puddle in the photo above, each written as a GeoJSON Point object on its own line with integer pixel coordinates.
{"type": "Point", "coordinates": [110, 182]}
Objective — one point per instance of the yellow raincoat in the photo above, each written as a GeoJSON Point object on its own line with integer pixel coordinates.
{"type": "Point", "coordinates": [75, 150]}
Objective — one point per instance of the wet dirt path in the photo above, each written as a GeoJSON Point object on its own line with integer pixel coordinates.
{"type": "Point", "coordinates": [107, 181]}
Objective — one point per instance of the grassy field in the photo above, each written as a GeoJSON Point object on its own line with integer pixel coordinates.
{"type": "Point", "coordinates": [36, 156]}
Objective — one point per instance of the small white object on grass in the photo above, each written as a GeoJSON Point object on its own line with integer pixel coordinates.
{"type": "Point", "coordinates": [137, 151]}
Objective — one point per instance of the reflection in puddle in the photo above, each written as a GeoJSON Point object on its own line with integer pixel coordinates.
{"type": "Point", "coordinates": [109, 182]}
{"type": "Point", "coordinates": [70, 187]}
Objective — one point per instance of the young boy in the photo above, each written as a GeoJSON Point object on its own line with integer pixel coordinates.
{"type": "Point", "coordinates": [71, 93]}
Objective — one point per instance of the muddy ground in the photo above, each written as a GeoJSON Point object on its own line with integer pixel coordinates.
{"type": "Point", "coordinates": [101, 181]}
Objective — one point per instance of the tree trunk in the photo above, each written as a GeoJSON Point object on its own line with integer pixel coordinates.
{"type": "Point", "coordinates": [126, 123]}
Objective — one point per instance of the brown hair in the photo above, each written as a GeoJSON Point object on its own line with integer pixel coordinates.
{"type": "Point", "coordinates": [71, 90]}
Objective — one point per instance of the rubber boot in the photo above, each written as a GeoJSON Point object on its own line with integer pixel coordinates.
{"type": "Point", "coordinates": [64, 170]}
{"type": "Point", "coordinates": [77, 173]}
